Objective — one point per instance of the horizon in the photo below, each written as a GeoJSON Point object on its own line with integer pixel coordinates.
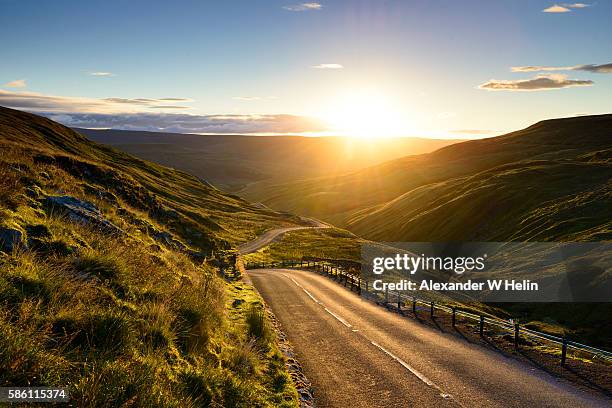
{"type": "Point", "coordinates": [451, 70]}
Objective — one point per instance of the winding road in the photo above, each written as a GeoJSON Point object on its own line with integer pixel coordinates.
{"type": "Point", "coordinates": [357, 354]}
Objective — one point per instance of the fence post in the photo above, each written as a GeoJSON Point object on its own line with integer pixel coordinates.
{"type": "Point", "coordinates": [399, 303]}
{"type": "Point", "coordinates": [563, 351]}
{"type": "Point", "coordinates": [481, 326]}
{"type": "Point", "coordinates": [386, 294]}
{"type": "Point", "coordinates": [516, 335]}
{"type": "Point", "coordinates": [431, 311]}
{"type": "Point", "coordinates": [359, 285]}
{"type": "Point", "coordinates": [454, 315]}
{"type": "Point", "coordinates": [413, 305]}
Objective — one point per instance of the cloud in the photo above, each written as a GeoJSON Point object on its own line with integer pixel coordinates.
{"type": "Point", "coordinates": [536, 68]}
{"type": "Point", "coordinates": [137, 114]}
{"type": "Point", "coordinates": [247, 98]}
{"type": "Point", "coordinates": [185, 123]}
{"type": "Point", "coordinates": [253, 98]}
{"type": "Point", "coordinates": [102, 74]}
{"type": "Point", "coordinates": [540, 82]}
{"type": "Point", "coordinates": [18, 83]}
{"type": "Point", "coordinates": [304, 7]}
{"type": "Point", "coordinates": [599, 69]}
{"type": "Point", "coordinates": [565, 7]}
{"type": "Point", "coordinates": [328, 66]}
{"type": "Point", "coordinates": [556, 9]}
{"type": "Point", "coordinates": [37, 102]}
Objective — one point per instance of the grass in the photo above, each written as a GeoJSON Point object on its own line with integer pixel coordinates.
{"type": "Point", "coordinates": [326, 243]}
{"type": "Point", "coordinates": [125, 320]}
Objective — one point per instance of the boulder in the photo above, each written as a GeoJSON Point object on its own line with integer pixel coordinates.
{"type": "Point", "coordinates": [81, 211]}
{"type": "Point", "coordinates": [10, 239]}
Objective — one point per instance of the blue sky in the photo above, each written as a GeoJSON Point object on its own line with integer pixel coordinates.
{"type": "Point", "coordinates": [414, 67]}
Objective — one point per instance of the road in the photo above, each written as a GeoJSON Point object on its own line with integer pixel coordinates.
{"type": "Point", "coordinates": [269, 236]}
{"type": "Point", "coordinates": [357, 354]}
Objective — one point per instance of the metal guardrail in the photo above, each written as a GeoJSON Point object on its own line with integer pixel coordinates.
{"type": "Point", "coordinates": [512, 327]}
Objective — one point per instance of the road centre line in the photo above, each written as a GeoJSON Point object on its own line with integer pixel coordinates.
{"type": "Point", "coordinates": [404, 364]}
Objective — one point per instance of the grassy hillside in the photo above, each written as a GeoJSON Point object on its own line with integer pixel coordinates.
{"type": "Point", "coordinates": [233, 162]}
{"type": "Point", "coordinates": [109, 280]}
{"type": "Point", "coordinates": [550, 181]}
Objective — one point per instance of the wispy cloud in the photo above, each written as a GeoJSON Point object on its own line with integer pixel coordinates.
{"type": "Point", "coordinates": [146, 101]}
{"type": "Point", "coordinates": [599, 69]}
{"type": "Point", "coordinates": [565, 7]}
{"type": "Point", "coordinates": [555, 8]}
{"type": "Point", "coordinates": [247, 98]}
{"type": "Point", "coordinates": [538, 83]}
{"type": "Point", "coordinates": [137, 114]}
{"type": "Point", "coordinates": [304, 7]}
{"type": "Point", "coordinates": [253, 98]}
{"type": "Point", "coordinates": [18, 83]}
{"type": "Point", "coordinates": [328, 66]}
{"type": "Point", "coordinates": [185, 123]}
{"type": "Point", "coordinates": [35, 102]}
{"type": "Point", "coordinates": [102, 74]}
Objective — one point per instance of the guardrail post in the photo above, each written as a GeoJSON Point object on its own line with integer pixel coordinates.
{"type": "Point", "coordinates": [413, 305]}
{"type": "Point", "coordinates": [454, 315]}
{"type": "Point", "coordinates": [431, 311]}
{"type": "Point", "coordinates": [563, 351]}
{"type": "Point", "coordinates": [481, 326]}
{"type": "Point", "coordinates": [399, 303]}
{"type": "Point", "coordinates": [359, 285]}
{"type": "Point", "coordinates": [386, 294]}
{"type": "Point", "coordinates": [516, 335]}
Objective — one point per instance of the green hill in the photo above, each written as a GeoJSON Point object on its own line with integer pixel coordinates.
{"type": "Point", "coordinates": [550, 181]}
{"type": "Point", "coordinates": [109, 281]}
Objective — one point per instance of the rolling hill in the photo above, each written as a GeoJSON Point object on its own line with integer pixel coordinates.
{"type": "Point", "coordinates": [232, 162]}
{"type": "Point", "coordinates": [110, 284]}
{"type": "Point", "coordinates": [548, 182]}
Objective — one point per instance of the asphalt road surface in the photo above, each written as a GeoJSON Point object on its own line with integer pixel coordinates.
{"type": "Point", "coordinates": [271, 235]}
{"type": "Point", "coordinates": [357, 354]}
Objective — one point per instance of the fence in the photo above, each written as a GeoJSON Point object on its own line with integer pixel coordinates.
{"type": "Point", "coordinates": [389, 298]}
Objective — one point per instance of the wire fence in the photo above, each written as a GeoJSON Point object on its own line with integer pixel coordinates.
{"type": "Point", "coordinates": [402, 302]}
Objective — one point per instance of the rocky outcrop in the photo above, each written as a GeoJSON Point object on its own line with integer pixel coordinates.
{"type": "Point", "coordinates": [81, 211]}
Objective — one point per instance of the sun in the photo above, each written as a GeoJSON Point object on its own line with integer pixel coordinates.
{"type": "Point", "coordinates": [366, 115]}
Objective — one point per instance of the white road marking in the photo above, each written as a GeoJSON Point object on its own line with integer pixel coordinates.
{"type": "Point", "coordinates": [340, 319]}
{"type": "Point", "coordinates": [412, 370]}
{"type": "Point", "coordinates": [404, 364]}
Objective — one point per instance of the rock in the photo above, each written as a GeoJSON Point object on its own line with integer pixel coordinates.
{"type": "Point", "coordinates": [81, 211]}
{"type": "Point", "coordinates": [10, 239]}
{"type": "Point", "coordinates": [198, 256]}
{"type": "Point", "coordinates": [168, 239]}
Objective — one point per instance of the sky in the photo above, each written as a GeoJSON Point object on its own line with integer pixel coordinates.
{"type": "Point", "coordinates": [364, 68]}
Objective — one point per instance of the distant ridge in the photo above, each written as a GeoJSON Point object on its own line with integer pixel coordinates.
{"type": "Point", "coordinates": [514, 186]}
